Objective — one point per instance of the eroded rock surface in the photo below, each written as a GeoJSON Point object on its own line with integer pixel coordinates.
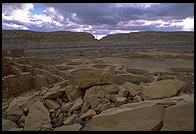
{"type": "Point", "coordinates": [95, 76]}
{"type": "Point", "coordinates": [37, 118]}
{"type": "Point", "coordinates": [129, 91]}
{"type": "Point", "coordinates": [141, 118]}
{"type": "Point", "coordinates": [162, 89]}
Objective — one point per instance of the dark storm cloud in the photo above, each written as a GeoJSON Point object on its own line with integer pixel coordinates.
{"type": "Point", "coordinates": [96, 14]}
{"type": "Point", "coordinates": [100, 18]}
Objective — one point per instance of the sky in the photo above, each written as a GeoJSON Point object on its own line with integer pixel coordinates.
{"type": "Point", "coordinates": [98, 19]}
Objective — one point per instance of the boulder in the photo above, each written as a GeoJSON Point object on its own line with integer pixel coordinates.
{"type": "Point", "coordinates": [58, 112]}
{"type": "Point", "coordinates": [70, 119]}
{"type": "Point", "coordinates": [8, 124]}
{"type": "Point", "coordinates": [54, 93]}
{"type": "Point", "coordinates": [91, 96]}
{"type": "Point", "coordinates": [51, 104]}
{"type": "Point", "coordinates": [101, 107]}
{"type": "Point", "coordinates": [95, 76]}
{"type": "Point", "coordinates": [137, 99]}
{"type": "Point", "coordinates": [66, 107]}
{"type": "Point", "coordinates": [38, 118]}
{"type": "Point", "coordinates": [100, 94]}
{"type": "Point", "coordinates": [162, 89]}
{"type": "Point", "coordinates": [132, 88]}
{"type": "Point", "coordinates": [88, 114]}
{"type": "Point", "coordinates": [74, 127]}
{"type": "Point", "coordinates": [15, 129]}
{"type": "Point", "coordinates": [123, 92]}
{"type": "Point", "coordinates": [85, 107]}
{"type": "Point", "coordinates": [112, 89]}
{"type": "Point", "coordinates": [77, 104]}
{"type": "Point", "coordinates": [73, 92]}
{"type": "Point", "coordinates": [180, 117]}
{"type": "Point", "coordinates": [128, 117]}
{"type": "Point", "coordinates": [18, 106]}
{"type": "Point", "coordinates": [121, 101]}
{"type": "Point", "coordinates": [59, 101]}
{"type": "Point", "coordinates": [14, 113]}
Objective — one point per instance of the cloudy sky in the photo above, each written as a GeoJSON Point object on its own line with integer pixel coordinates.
{"type": "Point", "coordinates": [99, 19]}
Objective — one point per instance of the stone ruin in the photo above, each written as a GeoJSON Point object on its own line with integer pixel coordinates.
{"type": "Point", "coordinates": [91, 100]}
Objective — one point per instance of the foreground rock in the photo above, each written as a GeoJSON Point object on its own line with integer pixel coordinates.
{"type": "Point", "coordinates": [77, 104]}
{"type": "Point", "coordinates": [74, 127]}
{"type": "Point", "coordinates": [73, 92]}
{"type": "Point", "coordinates": [132, 88]}
{"type": "Point", "coordinates": [51, 104]}
{"type": "Point", "coordinates": [88, 114]}
{"type": "Point", "coordinates": [162, 89]}
{"type": "Point", "coordinates": [180, 117]}
{"type": "Point", "coordinates": [7, 124]}
{"type": "Point", "coordinates": [18, 106]}
{"type": "Point", "coordinates": [129, 117]}
{"type": "Point", "coordinates": [100, 94]}
{"type": "Point", "coordinates": [38, 118]}
{"type": "Point", "coordinates": [95, 76]}
{"type": "Point", "coordinates": [70, 119]}
{"type": "Point", "coordinates": [173, 114]}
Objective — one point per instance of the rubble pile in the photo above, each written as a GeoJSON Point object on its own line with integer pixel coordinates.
{"type": "Point", "coordinates": [91, 100]}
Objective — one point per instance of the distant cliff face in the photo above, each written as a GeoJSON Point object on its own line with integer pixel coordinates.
{"type": "Point", "coordinates": [14, 39]}
{"type": "Point", "coordinates": [151, 36]}
{"type": "Point", "coordinates": [44, 37]}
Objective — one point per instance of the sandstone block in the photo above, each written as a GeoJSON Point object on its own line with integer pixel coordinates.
{"type": "Point", "coordinates": [95, 76]}
{"type": "Point", "coordinates": [179, 117]}
{"type": "Point", "coordinates": [51, 104]}
{"type": "Point", "coordinates": [162, 89]}
{"type": "Point", "coordinates": [127, 118]}
{"type": "Point", "coordinates": [88, 114]}
{"type": "Point", "coordinates": [7, 124]}
{"type": "Point", "coordinates": [74, 127]}
{"type": "Point", "coordinates": [73, 92]}
{"type": "Point", "coordinates": [70, 119]}
{"type": "Point", "coordinates": [38, 117]}
{"type": "Point", "coordinates": [77, 104]}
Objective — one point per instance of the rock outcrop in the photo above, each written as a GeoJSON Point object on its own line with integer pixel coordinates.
{"type": "Point", "coordinates": [162, 89]}
{"type": "Point", "coordinates": [89, 99]}
{"type": "Point", "coordinates": [74, 127]}
{"type": "Point", "coordinates": [38, 118]}
{"type": "Point", "coordinates": [95, 76]}
{"type": "Point", "coordinates": [7, 124]}
{"type": "Point", "coordinates": [138, 118]}
{"type": "Point", "coordinates": [180, 117]}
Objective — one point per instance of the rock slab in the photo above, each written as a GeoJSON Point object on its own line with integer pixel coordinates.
{"type": "Point", "coordinates": [162, 89]}
{"type": "Point", "coordinates": [95, 76]}
{"type": "Point", "coordinates": [38, 118]}
{"type": "Point", "coordinates": [130, 117]}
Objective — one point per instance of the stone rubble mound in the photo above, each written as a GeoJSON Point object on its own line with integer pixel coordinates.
{"type": "Point", "coordinates": [94, 102]}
